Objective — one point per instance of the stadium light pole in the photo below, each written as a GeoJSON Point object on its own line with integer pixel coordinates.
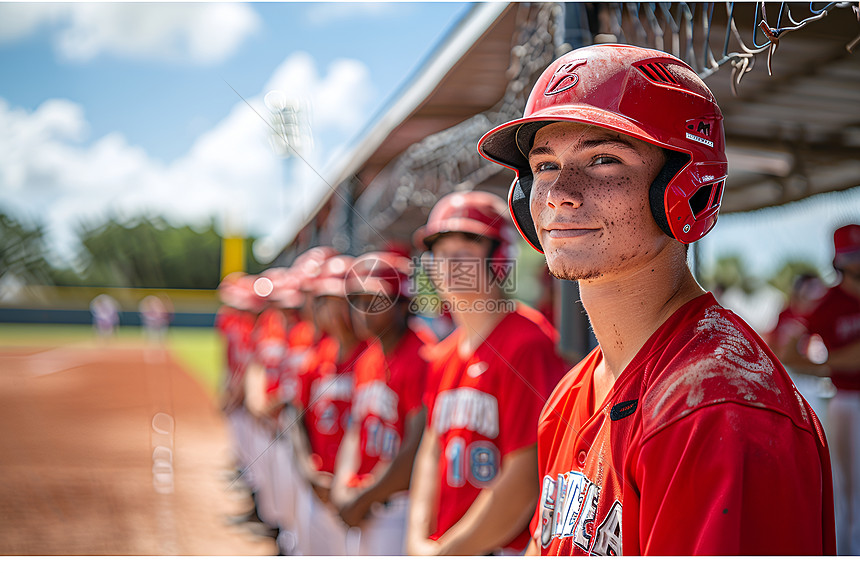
{"type": "Point", "coordinates": [292, 134]}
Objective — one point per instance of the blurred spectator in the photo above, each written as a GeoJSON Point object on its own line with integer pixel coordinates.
{"type": "Point", "coordinates": [155, 315]}
{"type": "Point", "coordinates": [105, 311]}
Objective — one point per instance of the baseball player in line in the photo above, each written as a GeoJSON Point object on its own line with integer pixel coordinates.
{"type": "Point", "coordinates": [236, 320]}
{"type": "Point", "coordinates": [374, 464]}
{"type": "Point", "coordinates": [836, 319]}
{"type": "Point", "coordinates": [261, 382]}
{"type": "Point", "coordinates": [323, 399]}
{"type": "Point", "coordinates": [474, 483]}
{"type": "Point", "coordinates": [681, 433]}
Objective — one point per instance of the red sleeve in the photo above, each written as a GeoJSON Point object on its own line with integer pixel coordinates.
{"type": "Point", "coordinates": [413, 393]}
{"type": "Point", "coordinates": [823, 319]}
{"type": "Point", "coordinates": [436, 360]}
{"type": "Point", "coordinates": [429, 395]}
{"type": "Point", "coordinates": [306, 374]}
{"type": "Point", "coordinates": [706, 483]}
{"type": "Point", "coordinates": [418, 388]}
{"type": "Point", "coordinates": [530, 375]}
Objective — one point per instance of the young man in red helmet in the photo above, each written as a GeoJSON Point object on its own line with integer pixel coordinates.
{"type": "Point", "coordinates": [680, 433]}
{"type": "Point", "coordinates": [474, 482]}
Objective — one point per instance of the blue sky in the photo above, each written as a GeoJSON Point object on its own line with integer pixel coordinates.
{"type": "Point", "coordinates": [118, 108]}
{"type": "Point", "coordinates": [110, 109]}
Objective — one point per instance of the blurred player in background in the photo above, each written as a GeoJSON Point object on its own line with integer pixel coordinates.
{"type": "Point", "coordinates": [235, 322]}
{"type": "Point", "coordinates": [475, 483]}
{"type": "Point", "coordinates": [836, 319]}
{"type": "Point", "coordinates": [290, 295]}
{"type": "Point", "coordinates": [790, 340]}
{"type": "Point", "coordinates": [156, 313]}
{"type": "Point", "coordinates": [325, 385]}
{"type": "Point", "coordinates": [680, 433]}
{"type": "Point", "coordinates": [387, 417]}
{"type": "Point", "coordinates": [105, 311]}
{"type": "Point", "coordinates": [280, 338]}
{"type": "Point", "coordinates": [268, 349]}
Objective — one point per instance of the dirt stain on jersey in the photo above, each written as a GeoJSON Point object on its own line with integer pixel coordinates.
{"type": "Point", "coordinates": [736, 360]}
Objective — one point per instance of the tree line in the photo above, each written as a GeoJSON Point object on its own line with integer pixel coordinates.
{"type": "Point", "coordinates": [144, 251]}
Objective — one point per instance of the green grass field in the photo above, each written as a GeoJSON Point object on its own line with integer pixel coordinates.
{"type": "Point", "coordinates": [199, 350]}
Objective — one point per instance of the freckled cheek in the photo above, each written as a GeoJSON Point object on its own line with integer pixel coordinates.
{"type": "Point", "coordinates": [537, 203]}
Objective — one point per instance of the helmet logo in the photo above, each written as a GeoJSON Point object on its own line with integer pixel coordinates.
{"type": "Point", "coordinates": [699, 130]}
{"type": "Point", "coordinates": [563, 79]}
{"type": "Point", "coordinates": [701, 127]}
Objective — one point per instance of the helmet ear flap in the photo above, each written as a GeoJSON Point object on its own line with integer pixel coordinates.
{"type": "Point", "coordinates": [521, 210]}
{"type": "Point", "coordinates": [675, 161]}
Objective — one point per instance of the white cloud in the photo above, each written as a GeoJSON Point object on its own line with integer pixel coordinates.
{"type": "Point", "coordinates": [49, 170]}
{"type": "Point", "coordinates": [324, 13]}
{"type": "Point", "coordinates": [338, 101]}
{"type": "Point", "coordinates": [200, 33]}
{"type": "Point", "coordinates": [19, 20]}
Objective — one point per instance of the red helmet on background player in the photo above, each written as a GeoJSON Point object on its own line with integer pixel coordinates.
{"type": "Point", "coordinates": [331, 280]}
{"type": "Point", "coordinates": [643, 93]}
{"type": "Point", "coordinates": [251, 293]}
{"type": "Point", "coordinates": [308, 264]}
{"type": "Point", "coordinates": [286, 287]}
{"type": "Point", "coordinates": [381, 273]}
{"type": "Point", "coordinates": [473, 212]}
{"type": "Point", "coordinates": [229, 290]}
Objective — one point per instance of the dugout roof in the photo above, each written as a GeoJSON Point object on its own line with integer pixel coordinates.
{"type": "Point", "coordinates": [790, 134]}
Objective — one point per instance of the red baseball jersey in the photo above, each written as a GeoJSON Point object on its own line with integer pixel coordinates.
{"type": "Point", "coordinates": [789, 326]}
{"type": "Point", "coordinates": [486, 405]}
{"type": "Point", "coordinates": [270, 346]}
{"type": "Point", "coordinates": [702, 447]}
{"type": "Point", "coordinates": [387, 390]}
{"type": "Point", "coordinates": [237, 327]}
{"type": "Point", "coordinates": [836, 319]}
{"type": "Point", "coordinates": [300, 344]}
{"type": "Point", "coordinates": [325, 390]}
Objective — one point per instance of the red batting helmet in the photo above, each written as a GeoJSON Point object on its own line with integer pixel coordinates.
{"type": "Point", "coordinates": [382, 273]}
{"type": "Point", "coordinates": [251, 293]}
{"type": "Point", "coordinates": [229, 290]}
{"type": "Point", "coordinates": [286, 287]}
{"type": "Point", "coordinates": [331, 280]}
{"type": "Point", "coordinates": [643, 93]}
{"type": "Point", "coordinates": [474, 212]}
{"type": "Point", "coordinates": [308, 264]}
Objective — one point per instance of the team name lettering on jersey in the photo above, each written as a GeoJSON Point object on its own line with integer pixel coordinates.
{"type": "Point", "coordinates": [271, 353]}
{"type": "Point", "coordinates": [375, 398]}
{"type": "Point", "coordinates": [331, 388]}
{"type": "Point", "coordinates": [466, 408]}
{"type": "Point", "coordinates": [569, 509]}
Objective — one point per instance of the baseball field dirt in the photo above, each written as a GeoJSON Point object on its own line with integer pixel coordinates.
{"type": "Point", "coordinates": [114, 449]}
